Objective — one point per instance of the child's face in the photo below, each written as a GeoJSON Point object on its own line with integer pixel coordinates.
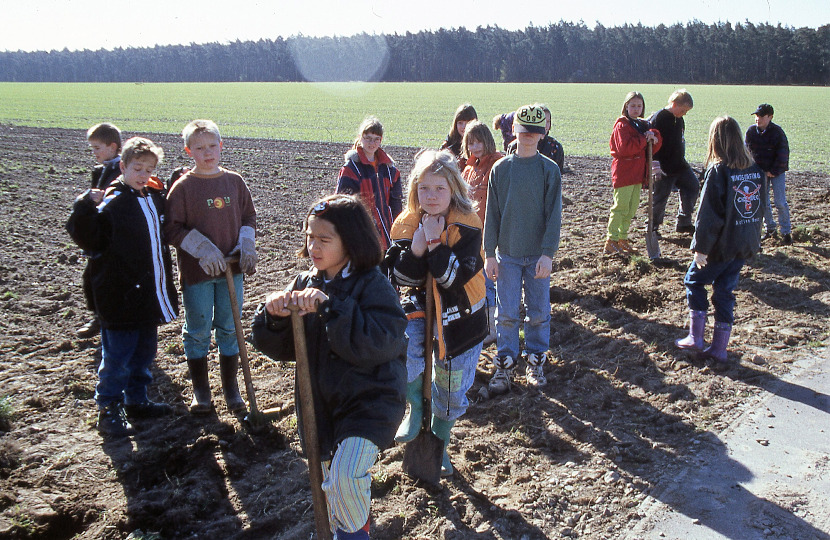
{"type": "Point", "coordinates": [678, 110]}
{"type": "Point", "coordinates": [326, 249]}
{"type": "Point", "coordinates": [635, 108]}
{"type": "Point", "coordinates": [138, 171]}
{"type": "Point", "coordinates": [528, 140]}
{"type": "Point", "coordinates": [205, 149]}
{"type": "Point", "coordinates": [434, 194]}
{"type": "Point", "coordinates": [103, 151]}
{"type": "Point", "coordinates": [475, 147]}
{"type": "Point", "coordinates": [460, 126]}
{"type": "Point", "coordinates": [763, 121]}
{"type": "Point", "coordinates": [370, 143]}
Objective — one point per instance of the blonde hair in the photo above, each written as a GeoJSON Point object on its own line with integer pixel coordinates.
{"type": "Point", "coordinates": [197, 127]}
{"type": "Point", "coordinates": [681, 97]}
{"type": "Point", "coordinates": [137, 147]}
{"type": "Point", "coordinates": [477, 131]}
{"type": "Point", "coordinates": [442, 163]}
{"type": "Point", "coordinates": [370, 124]}
{"type": "Point", "coordinates": [726, 144]}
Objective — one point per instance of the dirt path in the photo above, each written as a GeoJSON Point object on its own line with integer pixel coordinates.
{"type": "Point", "coordinates": [622, 409]}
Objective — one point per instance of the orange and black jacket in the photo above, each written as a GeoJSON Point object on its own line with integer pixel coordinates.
{"type": "Point", "coordinates": [457, 266]}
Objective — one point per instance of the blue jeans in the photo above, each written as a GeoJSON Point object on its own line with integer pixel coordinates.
{"type": "Point", "coordinates": [723, 276]}
{"type": "Point", "coordinates": [490, 291]}
{"type": "Point", "coordinates": [207, 307]}
{"type": "Point", "coordinates": [778, 184]}
{"type": "Point", "coordinates": [124, 373]}
{"type": "Point", "coordinates": [452, 377]}
{"type": "Point", "coordinates": [689, 187]}
{"type": "Point", "coordinates": [516, 274]}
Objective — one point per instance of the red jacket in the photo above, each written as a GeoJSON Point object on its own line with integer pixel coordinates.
{"type": "Point", "coordinates": [628, 150]}
{"type": "Point", "coordinates": [477, 173]}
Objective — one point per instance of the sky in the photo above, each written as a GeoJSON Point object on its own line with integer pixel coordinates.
{"type": "Point", "coordinates": [107, 24]}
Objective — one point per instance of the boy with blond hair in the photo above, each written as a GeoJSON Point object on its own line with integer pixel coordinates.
{"type": "Point", "coordinates": [210, 216]}
{"type": "Point", "coordinates": [105, 142]}
{"type": "Point", "coordinates": [521, 235]}
{"type": "Point", "coordinates": [132, 279]}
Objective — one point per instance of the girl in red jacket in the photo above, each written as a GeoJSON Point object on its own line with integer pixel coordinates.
{"type": "Point", "coordinates": [479, 149]}
{"type": "Point", "coordinates": [628, 169]}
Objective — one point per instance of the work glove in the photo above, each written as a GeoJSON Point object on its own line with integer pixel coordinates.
{"type": "Point", "coordinates": [657, 170]}
{"type": "Point", "coordinates": [246, 248]}
{"type": "Point", "coordinates": [210, 258]}
{"type": "Point", "coordinates": [700, 259]}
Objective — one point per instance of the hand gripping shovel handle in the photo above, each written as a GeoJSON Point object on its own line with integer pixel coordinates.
{"type": "Point", "coordinates": [240, 340]}
{"type": "Point", "coordinates": [309, 425]}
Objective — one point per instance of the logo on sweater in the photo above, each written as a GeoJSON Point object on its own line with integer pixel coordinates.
{"type": "Point", "coordinates": [219, 202]}
{"type": "Point", "coordinates": [747, 195]}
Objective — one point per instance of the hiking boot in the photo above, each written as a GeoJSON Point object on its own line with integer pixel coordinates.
{"type": "Point", "coordinates": [611, 247]}
{"type": "Point", "coordinates": [626, 247]}
{"type": "Point", "coordinates": [112, 420]}
{"type": "Point", "coordinates": [228, 367]}
{"type": "Point", "coordinates": [90, 329]}
{"type": "Point", "coordinates": [787, 239]}
{"type": "Point", "coordinates": [147, 409]}
{"type": "Point", "coordinates": [503, 376]}
{"type": "Point", "coordinates": [685, 229]}
{"type": "Point", "coordinates": [201, 403]}
{"type": "Point", "coordinates": [535, 371]}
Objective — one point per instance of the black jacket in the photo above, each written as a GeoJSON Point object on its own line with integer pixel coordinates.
{"type": "Point", "coordinates": [731, 209]}
{"type": "Point", "coordinates": [357, 356]}
{"type": "Point", "coordinates": [130, 267]}
{"type": "Point", "coordinates": [770, 148]}
{"type": "Point", "coordinates": [672, 153]}
{"type": "Point", "coordinates": [103, 175]}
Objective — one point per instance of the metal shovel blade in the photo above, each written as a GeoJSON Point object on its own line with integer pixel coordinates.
{"type": "Point", "coordinates": [422, 456]}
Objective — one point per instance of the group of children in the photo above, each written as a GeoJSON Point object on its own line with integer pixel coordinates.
{"type": "Point", "coordinates": [735, 200]}
{"type": "Point", "coordinates": [477, 232]}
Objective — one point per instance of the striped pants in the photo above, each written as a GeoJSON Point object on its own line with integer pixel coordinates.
{"type": "Point", "coordinates": [347, 483]}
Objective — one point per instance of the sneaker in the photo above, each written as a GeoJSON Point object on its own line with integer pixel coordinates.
{"type": "Point", "coordinates": [535, 371]}
{"type": "Point", "coordinates": [147, 409]}
{"type": "Point", "coordinates": [503, 377]}
{"type": "Point", "coordinates": [787, 239]}
{"type": "Point", "coordinates": [112, 420]}
{"type": "Point", "coordinates": [626, 247]}
{"type": "Point", "coordinates": [685, 229]}
{"type": "Point", "coordinates": [90, 329]}
{"type": "Point", "coordinates": [611, 247]}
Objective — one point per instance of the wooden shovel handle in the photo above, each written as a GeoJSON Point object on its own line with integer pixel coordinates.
{"type": "Point", "coordinates": [429, 323]}
{"type": "Point", "coordinates": [240, 337]}
{"type": "Point", "coordinates": [309, 425]}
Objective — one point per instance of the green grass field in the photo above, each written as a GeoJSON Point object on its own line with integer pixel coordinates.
{"type": "Point", "coordinates": [414, 114]}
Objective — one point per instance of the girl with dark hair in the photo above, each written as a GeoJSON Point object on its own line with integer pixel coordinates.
{"type": "Point", "coordinates": [463, 114]}
{"type": "Point", "coordinates": [354, 327]}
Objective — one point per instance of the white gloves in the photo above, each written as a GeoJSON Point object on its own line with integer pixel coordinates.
{"type": "Point", "coordinates": [700, 259]}
{"type": "Point", "coordinates": [210, 258]}
{"type": "Point", "coordinates": [246, 248]}
{"type": "Point", "coordinates": [657, 170]}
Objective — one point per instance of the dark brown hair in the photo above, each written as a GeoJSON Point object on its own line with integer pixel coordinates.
{"type": "Point", "coordinates": [353, 224]}
{"type": "Point", "coordinates": [106, 133]}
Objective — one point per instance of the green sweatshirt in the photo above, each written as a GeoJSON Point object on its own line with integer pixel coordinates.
{"type": "Point", "coordinates": [524, 207]}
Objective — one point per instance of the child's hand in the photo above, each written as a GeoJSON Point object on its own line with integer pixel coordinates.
{"type": "Point", "coordinates": [701, 259]}
{"type": "Point", "coordinates": [491, 268]}
{"type": "Point", "coordinates": [651, 137]}
{"type": "Point", "coordinates": [275, 304]}
{"type": "Point", "coordinates": [96, 195]}
{"type": "Point", "coordinates": [308, 299]}
{"type": "Point", "coordinates": [543, 267]}
{"type": "Point", "coordinates": [433, 226]}
{"type": "Point", "coordinates": [419, 242]}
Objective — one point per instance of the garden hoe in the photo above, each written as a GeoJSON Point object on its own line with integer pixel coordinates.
{"type": "Point", "coordinates": [652, 245]}
{"type": "Point", "coordinates": [309, 426]}
{"type": "Point", "coordinates": [256, 418]}
{"type": "Point", "coordinates": [422, 456]}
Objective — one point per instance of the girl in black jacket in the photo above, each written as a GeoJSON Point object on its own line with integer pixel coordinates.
{"type": "Point", "coordinates": [727, 232]}
{"type": "Point", "coordinates": [354, 327]}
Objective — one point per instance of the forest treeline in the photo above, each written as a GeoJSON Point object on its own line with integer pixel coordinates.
{"type": "Point", "coordinates": [722, 53]}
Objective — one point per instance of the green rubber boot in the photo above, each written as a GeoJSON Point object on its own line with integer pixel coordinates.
{"type": "Point", "coordinates": [411, 424]}
{"type": "Point", "coordinates": [442, 429]}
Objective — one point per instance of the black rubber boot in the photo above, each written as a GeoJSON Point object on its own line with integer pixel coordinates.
{"type": "Point", "coordinates": [201, 403]}
{"type": "Point", "coordinates": [228, 366]}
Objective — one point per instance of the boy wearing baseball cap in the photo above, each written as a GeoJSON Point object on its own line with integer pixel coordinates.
{"type": "Point", "coordinates": [768, 145]}
{"type": "Point", "coordinates": [521, 235]}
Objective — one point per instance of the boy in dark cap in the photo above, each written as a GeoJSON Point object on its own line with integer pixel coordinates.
{"type": "Point", "coordinates": [768, 145]}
